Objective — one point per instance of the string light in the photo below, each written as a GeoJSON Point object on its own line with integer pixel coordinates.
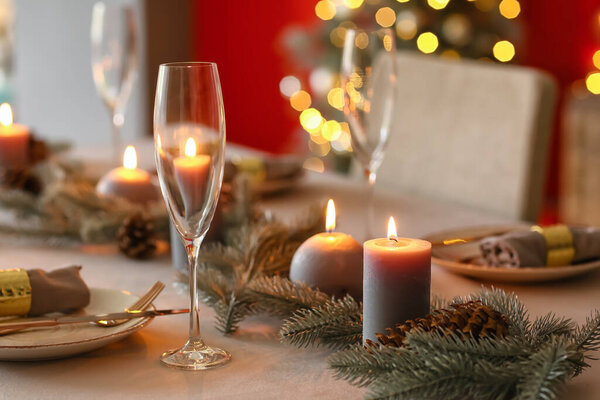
{"type": "Point", "coordinates": [504, 51]}
{"type": "Point", "coordinates": [300, 100]}
{"type": "Point", "coordinates": [592, 82]}
{"type": "Point", "coordinates": [335, 98]}
{"type": "Point", "coordinates": [353, 3]}
{"type": "Point", "coordinates": [310, 118]}
{"type": "Point", "coordinates": [437, 4]}
{"type": "Point", "coordinates": [427, 42]}
{"type": "Point", "coordinates": [385, 17]}
{"type": "Point", "coordinates": [331, 130]}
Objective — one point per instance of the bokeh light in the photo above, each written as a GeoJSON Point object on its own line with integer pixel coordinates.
{"type": "Point", "coordinates": [437, 4]}
{"type": "Point", "coordinates": [427, 42]}
{"type": "Point", "coordinates": [300, 100]}
{"type": "Point", "coordinates": [337, 36]}
{"type": "Point", "coordinates": [353, 3]}
{"type": "Point", "coordinates": [320, 80]}
{"type": "Point", "coordinates": [314, 164]}
{"type": "Point", "coordinates": [310, 118]}
{"type": "Point", "coordinates": [362, 40]}
{"type": "Point", "coordinates": [331, 130]}
{"type": "Point", "coordinates": [289, 85]}
{"type": "Point", "coordinates": [385, 17]}
{"type": "Point", "coordinates": [406, 25]}
{"type": "Point", "coordinates": [592, 82]}
{"type": "Point", "coordinates": [457, 29]}
{"type": "Point", "coordinates": [596, 59]}
{"type": "Point", "coordinates": [450, 54]}
{"type": "Point", "coordinates": [504, 51]}
{"type": "Point", "coordinates": [509, 8]}
{"type": "Point", "coordinates": [325, 9]}
{"type": "Point", "coordinates": [335, 98]}
{"type": "Point", "coordinates": [319, 149]}
{"type": "Point", "coordinates": [485, 5]}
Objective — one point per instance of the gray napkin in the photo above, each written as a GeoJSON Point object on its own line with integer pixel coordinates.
{"type": "Point", "coordinates": [528, 248]}
{"type": "Point", "coordinates": [58, 290]}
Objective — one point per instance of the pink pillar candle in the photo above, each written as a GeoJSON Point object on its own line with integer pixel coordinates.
{"type": "Point", "coordinates": [396, 285]}
{"type": "Point", "coordinates": [14, 140]}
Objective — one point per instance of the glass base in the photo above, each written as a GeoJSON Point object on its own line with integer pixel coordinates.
{"type": "Point", "coordinates": [195, 356]}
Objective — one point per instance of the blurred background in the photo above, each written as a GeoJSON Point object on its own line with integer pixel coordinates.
{"type": "Point", "coordinates": [279, 63]}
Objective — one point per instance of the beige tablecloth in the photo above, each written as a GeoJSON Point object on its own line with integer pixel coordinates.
{"type": "Point", "coordinates": [261, 367]}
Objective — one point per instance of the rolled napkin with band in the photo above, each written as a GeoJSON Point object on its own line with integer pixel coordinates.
{"type": "Point", "coordinates": [551, 246]}
{"type": "Point", "coordinates": [36, 292]}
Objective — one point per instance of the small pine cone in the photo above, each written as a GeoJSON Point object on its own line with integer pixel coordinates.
{"type": "Point", "coordinates": [21, 179]}
{"type": "Point", "coordinates": [472, 318]}
{"type": "Point", "coordinates": [38, 150]}
{"type": "Point", "coordinates": [136, 237]}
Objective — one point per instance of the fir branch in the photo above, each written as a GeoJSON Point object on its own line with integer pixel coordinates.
{"type": "Point", "coordinates": [587, 336]}
{"type": "Point", "coordinates": [546, 371]}
{"type": "Point", "coordinates": [361, 366]}
{"type": "Point", "coordinates": [493, 350]}
{"type": "Point", "coordinates": [335, 324]}
{"type": "Point", "coordinates": [506, 303]}
{"type": "Point", "coordinates": [550, 325]}
{"type": "Point", "coordinates": [279, 296]}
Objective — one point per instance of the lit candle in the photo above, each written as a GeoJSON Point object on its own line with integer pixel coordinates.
{"type": "Point", "coordinates": [192, 173]}
{"type": "Point", "coordinates": [14, 140]}
{"type": "Point", "coordinates": [397, 281]}
{"type": "Point", "coordinates": [330, 261]}
{"type": "Point", "coordinates": [129, 182]}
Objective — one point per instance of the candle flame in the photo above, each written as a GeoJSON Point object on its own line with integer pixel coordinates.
{"type": "Point", "coordinates": [130, 158]}
{"type": "Point", "coordinates": [6, 116]}
{"type": "Point", "coordinates": [392, 234]}
{"type": "Point", "coordinates": [190, 147]}
{"type": "Point", "coordinates": [330, 216]}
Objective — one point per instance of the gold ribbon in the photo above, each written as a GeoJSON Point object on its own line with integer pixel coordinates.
{"type": "Point", "coordinates": [559, 242]}
{"type": "Point", "coordinates": [15, 292]}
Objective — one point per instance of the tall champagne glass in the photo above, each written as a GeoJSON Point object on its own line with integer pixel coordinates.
{"type": "Point", "coordinates": [114, 53]}
{"type": "Point", "coordinates": [368, 80]}
{"type": "Point", "coordinates": [189, 138]}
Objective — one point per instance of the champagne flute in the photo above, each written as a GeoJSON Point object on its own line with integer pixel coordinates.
{"type": "Point", "coordinates": [189, 138]}
{"type": "Point", "coordinates": [114, 54]}
{"type": "Point", "coordinates": [368, 80]}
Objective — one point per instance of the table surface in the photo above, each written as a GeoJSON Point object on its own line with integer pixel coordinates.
{"type": "Point", "coordinates": [261, 367]}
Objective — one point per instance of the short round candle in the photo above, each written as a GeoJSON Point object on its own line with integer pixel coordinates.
{"type": "Point", "coordinates": [129, 182]}
{"type": "Point", "coordinates": [397, 281]}
{"type": "Point", "coordinates": [330, 262]}
{"type": "Point", "coordinates": [14, 140]}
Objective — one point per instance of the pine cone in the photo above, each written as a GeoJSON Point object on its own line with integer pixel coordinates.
{"type": "Point", "coordinates": [38, 150]}
{"type": "Point", "coordinates": [21, 179]}
{"type": "Point", "coordinates": [136, 237]}
{"type": "Point", "coordinates": [473, 317]}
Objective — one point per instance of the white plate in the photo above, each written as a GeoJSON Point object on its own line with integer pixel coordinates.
{"type": "Point", "coordinates": [443, 256]}
{"type": "Point", "coordinates": [68, 340]}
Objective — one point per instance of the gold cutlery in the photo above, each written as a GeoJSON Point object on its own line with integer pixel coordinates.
{"type": "Point", "coordinates": [140, 305]}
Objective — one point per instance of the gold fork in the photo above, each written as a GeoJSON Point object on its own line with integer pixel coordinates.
{"type": "Point", "coordinates": [140, 305]}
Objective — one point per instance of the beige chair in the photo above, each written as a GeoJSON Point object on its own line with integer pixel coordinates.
{"type": "Point", "coordinates": [470, 132]}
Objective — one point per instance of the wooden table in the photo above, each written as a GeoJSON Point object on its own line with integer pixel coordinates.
{"type": "Point", "coordinates": [261, 367]}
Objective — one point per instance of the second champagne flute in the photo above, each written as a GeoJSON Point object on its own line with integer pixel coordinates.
{"type": "Point", "coordinates": [189, 138]}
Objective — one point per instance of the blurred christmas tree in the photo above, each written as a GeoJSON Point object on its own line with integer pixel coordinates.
{"type": "Point", "coordinates": [479, 29]}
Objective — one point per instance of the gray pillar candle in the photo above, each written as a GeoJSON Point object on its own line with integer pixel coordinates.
{"type": "Point", "coordinates": [397, 281]}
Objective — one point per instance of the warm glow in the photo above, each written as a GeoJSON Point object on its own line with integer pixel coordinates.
{"type": "Point", "coordinates": [330, 216]}
{"type": "Point", "coordinates": [325, 9]}
{"type": "Point", "coordinates": [335, 98]}
{"type": "Point", "coordinates": [314, 164]}
{"type": "Point", "coordinates": [6, 117]}
{"type": "Point", "coordinates": [331, 130]}
{"type": "Point", "coordinates": [310, 118]}
{"type": "Point", "coordinates": [406, 26]}
{"type": "Point", "coordinates": [362, 40]}
{"type": "Point", "coordinates": [427, 42]}
{"type": "Point", "coordinates": [300, 100]}
{"type": "Point", "coordinates": [190, 147]}
{"type": "Point", "coordinates": [592, 82]}
{"type": "Point", "coordinates": [504, 51]}
{"type": "Point", "coordinates": [437, 4]}
{"type": "Point", "coordinates": [392, 234]}
{"type": "Point", "coordinates": [596, 59]}
{"type": "Point", "coordinates": [385, 17]}
{"type": "Point", "coordinates": [130, 158]}
{"type": "Point", "coordinates": [289, 85]}
{"type": "Point", "coordinates": [509, 8]}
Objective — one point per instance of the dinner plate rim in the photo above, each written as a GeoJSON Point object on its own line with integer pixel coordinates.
{"type": "Point", "coordinates": [137, 326]}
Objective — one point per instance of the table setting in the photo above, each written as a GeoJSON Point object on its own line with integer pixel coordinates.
{"type": "Point", "coordinates": [184, 264]}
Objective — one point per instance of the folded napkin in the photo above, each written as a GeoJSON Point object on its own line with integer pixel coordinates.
{"type": "Point", "coordinates": [35, 292]}
{"type": "Point", "coordinates": [554, 246]}
{"type": "Point", "coordinates": [265, 169]}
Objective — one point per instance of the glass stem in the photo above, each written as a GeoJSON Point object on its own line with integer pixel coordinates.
{"type": "Point", "coordinates": [117, 125]}
{"type": "Point", "coordinates": [193, 248]}
{"type": "Point", "coordinates": [371, 178]}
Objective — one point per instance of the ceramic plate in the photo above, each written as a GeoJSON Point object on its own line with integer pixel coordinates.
{"type": "Point", "coordinates": [450, 258]}
{"type": "Point", "coordinates": [68, 340]}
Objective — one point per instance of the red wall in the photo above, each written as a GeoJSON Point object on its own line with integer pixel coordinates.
{"type": "Point", "coordinates": [242, 38]}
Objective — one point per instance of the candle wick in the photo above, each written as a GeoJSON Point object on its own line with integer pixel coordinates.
{"type": "Point", "coordinates": [394, 238]}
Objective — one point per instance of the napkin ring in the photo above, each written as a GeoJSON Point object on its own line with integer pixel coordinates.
{"type": "Point", "coordinates": [559, 242]}
{"type": "Point", "coordinates": [15, 292]}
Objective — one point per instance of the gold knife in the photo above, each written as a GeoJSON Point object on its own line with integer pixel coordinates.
{"type": "Point", "coordinates": [9, 327]}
